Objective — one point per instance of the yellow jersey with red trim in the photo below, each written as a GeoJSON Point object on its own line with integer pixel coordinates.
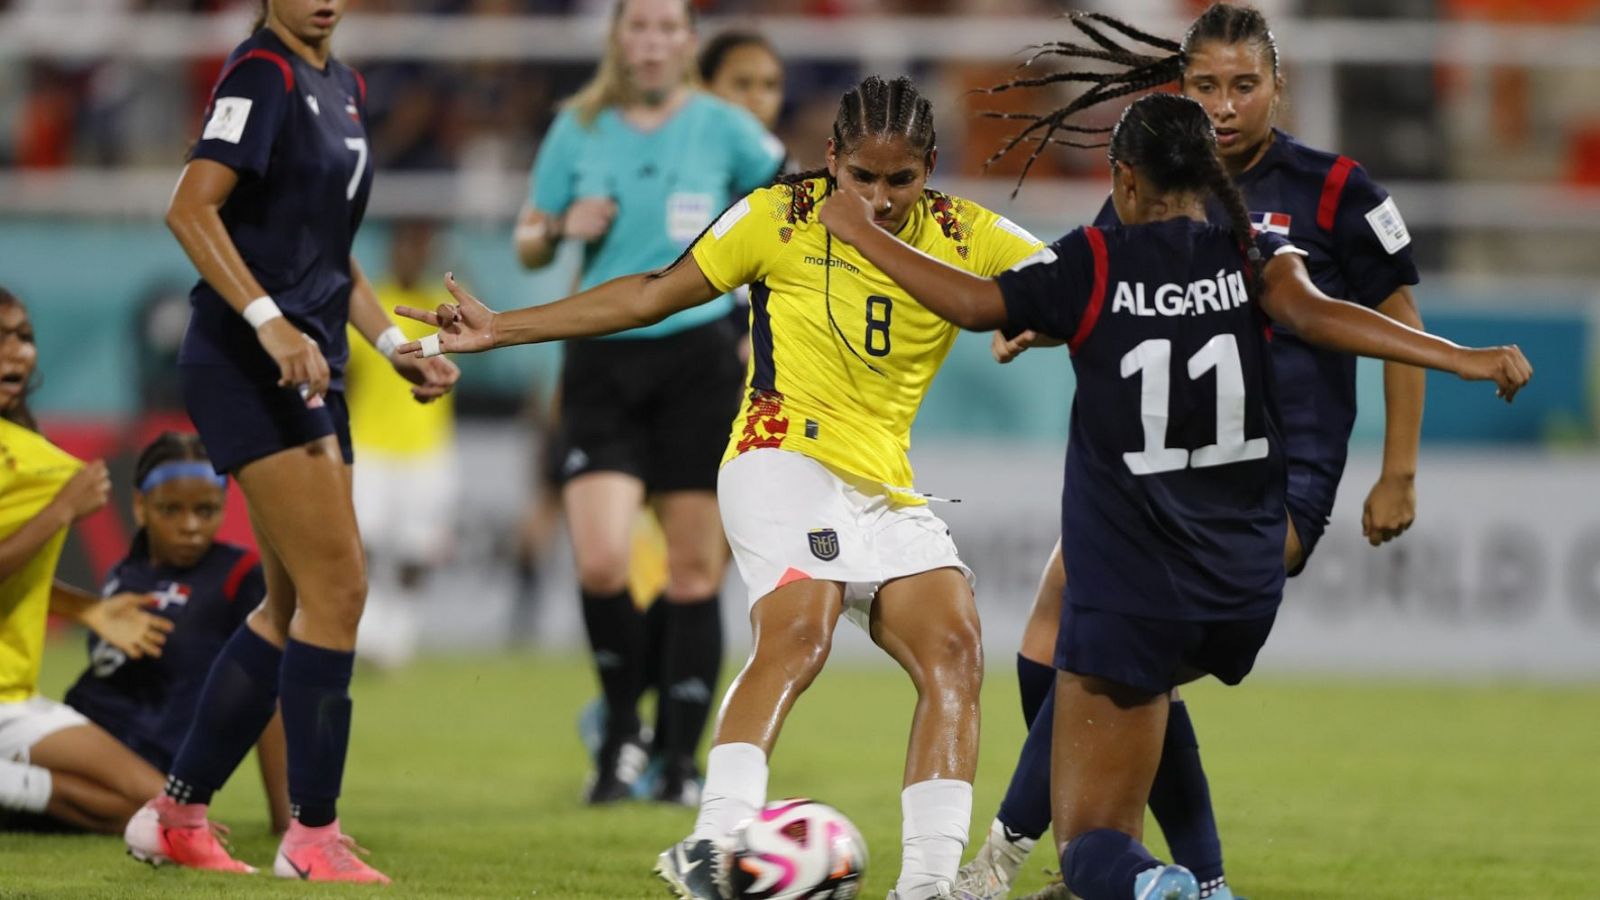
{"type": "Point", "coordinates": [841, 356]}
{"type": "Point", "coordinates": [32, 472]}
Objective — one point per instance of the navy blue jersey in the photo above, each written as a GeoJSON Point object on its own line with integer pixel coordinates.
{"type": "Point", "coordinates": [297, 138]}
{"type": "Point", "coordinates": [1173, 505]}
{"type": "Point", "coordinates": [1357, 249]}
{"type": "Point", "coordinates": [148, 704]}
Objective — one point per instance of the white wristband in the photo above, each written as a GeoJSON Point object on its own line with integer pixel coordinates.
{"type": "Point", "coordinates": [260, 311]}
{"type": "Point", "coordinates": [430, 345]}
{"type": "Point", "coordinates": [389, 342]}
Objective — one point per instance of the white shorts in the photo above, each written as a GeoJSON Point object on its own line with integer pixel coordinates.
{"type": "Point", "coordinates": [30, 721]}
{"type": "Point", "coordinates": [406, 505]}
{"type": "Point", "coordinates": [790, 517]}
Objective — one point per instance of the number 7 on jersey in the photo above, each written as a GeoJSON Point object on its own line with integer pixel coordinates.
{"type": "Point", "coordinates": [359, 145]}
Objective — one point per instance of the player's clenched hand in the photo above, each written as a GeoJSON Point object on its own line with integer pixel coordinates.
{"type": "Point", "coordinates": [299, 359]}
{"type": "Point", "coordinates": [589, 219]}
{"type": "Point", "coordinates": [122, 622]}
{"type": "Point", "coordinates": [1005, 351]}
{"type": "Point", "coordinates": [1390, 509]}
{"type": "Point", "coordinates": [465, 326]}
{"type": "Point", "coordinates": [430, 378]}
{"type": "Point", "coordinates": [86, 491]}
{"type": "Point", "coordinates": [1505, 366]}
{"type": "Point", "coordinates": [846, 214]}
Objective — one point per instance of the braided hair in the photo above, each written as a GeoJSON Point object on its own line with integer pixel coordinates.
{"type": "Point", "coordinates": [1142, 61]}
{"type": "Point", "coordinates": [1169, 140]}
{"type": "Point", "coordinates": [878, 108]}
{"type": "Point", "coordinates": [169, 446]}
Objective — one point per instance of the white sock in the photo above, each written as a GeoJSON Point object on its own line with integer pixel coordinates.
{"type": "Point", "coordinates": [736, 786]}
{"type": "Point", "coordinates": [933, 835]}
{"type": "Point", "coordinates": [23, 787]}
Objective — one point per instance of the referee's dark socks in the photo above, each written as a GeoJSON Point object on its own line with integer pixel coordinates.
{"type": "Point", "coordinates": [691, 659]}
{"type": "Point", "coordinates": [1035, 680]}
{"type": "Point", "coordinates": [616, 638]}
{"type": "Point", "coordinates": [1025, 811]}
{"type": "Point", "coordinates": [1103, 864]}
{"type": "Point", "coordinates": [316, 727]}
{"type": "Point", "coordinates": [237, 702]}
{"type": "Point", "coordinates": [1180, 798]}
{"type": "Point", "coordinates": [655, 642]}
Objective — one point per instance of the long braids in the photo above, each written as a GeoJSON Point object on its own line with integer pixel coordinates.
{"type": "Point", "coordinates": [1142, 60]}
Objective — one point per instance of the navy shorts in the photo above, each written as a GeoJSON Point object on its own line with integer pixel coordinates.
{"type": "Point", "coordinates": [1153, 654]}
{"type": "Point", "coordinates": [241, 420]}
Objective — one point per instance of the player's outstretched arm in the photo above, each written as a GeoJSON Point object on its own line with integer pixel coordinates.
{"type": "Point", "coordinates": [1292, 299]}
{"type": "Point", "coordinates": [621, 304]}
{"type": "Point", "coordinates": [959, 297]}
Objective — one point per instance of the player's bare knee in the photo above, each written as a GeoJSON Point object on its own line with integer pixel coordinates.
{"type": "Point", "coordinates": [603, 572]}
{"type": "Point", "coordinates": [337, 607]}
{"type": "Point", "coordinates": [693, 579]}
{"type": "Point", "coordinates": [951, 662]}
{"type": "Point", "coordinates": [798, 648]}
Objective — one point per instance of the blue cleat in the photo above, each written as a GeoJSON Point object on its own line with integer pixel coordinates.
{"type": "Point", "coordinates": [592, 726]}
{"type": "Point", "coordinates": [1166, 883]}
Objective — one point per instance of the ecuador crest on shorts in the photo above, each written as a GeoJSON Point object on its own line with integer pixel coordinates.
{"type": "Point", "coordinates": [824, 543]}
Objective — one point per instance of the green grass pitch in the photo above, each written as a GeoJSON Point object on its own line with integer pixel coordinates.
{"type": "Point", "coordinates": [465, 773]}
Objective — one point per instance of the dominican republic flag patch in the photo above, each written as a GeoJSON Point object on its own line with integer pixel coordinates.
{"type": "Point", "coordinates": [174, 594]}
{"type": "Point", "coordinates": [1277, 223]}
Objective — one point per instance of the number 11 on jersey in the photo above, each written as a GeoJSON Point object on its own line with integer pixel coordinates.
{"type": "Point", "coordinates": [1154, 359]}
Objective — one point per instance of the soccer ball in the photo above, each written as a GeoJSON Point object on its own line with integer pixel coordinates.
{"type": "Point", "coordinates": [794, 849]}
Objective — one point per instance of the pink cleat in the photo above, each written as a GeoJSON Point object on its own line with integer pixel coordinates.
{"type": "Point", "coordinates": [165, 831]}
{"type": "Point", "coordinates": [323, 854]}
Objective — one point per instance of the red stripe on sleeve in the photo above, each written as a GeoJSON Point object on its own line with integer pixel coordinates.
{"type": "Point", "coordinates": [1332, 189]}
{"type": "Point", "coordinates": [362, 84]}
{"type": "Point", "coordinates": [1097, 296]}
{"type": "Point", "coordinates": [283, 66]}
{"type": "Point", "coordinates": [230, 588]}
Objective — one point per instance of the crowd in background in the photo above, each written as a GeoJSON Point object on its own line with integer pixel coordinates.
{"type": "Point", "coordinates": [1416, 121]}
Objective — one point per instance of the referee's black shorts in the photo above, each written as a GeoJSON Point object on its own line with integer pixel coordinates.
{"type": "Point", "coordinates": [659, 409]}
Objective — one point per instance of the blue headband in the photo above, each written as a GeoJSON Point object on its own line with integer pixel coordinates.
{"type": "Point", "coordinates": [188, 468]}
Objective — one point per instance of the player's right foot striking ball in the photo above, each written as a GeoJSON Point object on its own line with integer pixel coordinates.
{"type": "Point", "coordinates": [323, 853]}
{"type": "Point", "coordinates": [693, 870]}
{"type": "Point", "coordinates": [1166, 883]}
{"type": "Point", "coordinates": [164, 831]}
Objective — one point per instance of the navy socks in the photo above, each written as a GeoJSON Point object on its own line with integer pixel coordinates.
{"type": "Point", "coordinates": [237, 702]}
{"type": "Point", "coordinates": [316, 725]}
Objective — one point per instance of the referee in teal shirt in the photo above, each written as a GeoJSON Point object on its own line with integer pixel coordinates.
{"type": "Point", "coordinates": [635, 167]}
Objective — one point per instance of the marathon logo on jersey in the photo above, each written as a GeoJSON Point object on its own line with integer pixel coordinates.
{"type": "Point", "coordinates": [174, 594]}
{"type": "Point", "coordinates": [1224, 292]}
{"type": "Point", "coordinates": [228, 116]}
{"type": "Point", "coordinates": [1277, 223]}
{"type": "Point", "coordinates": [824, 543]}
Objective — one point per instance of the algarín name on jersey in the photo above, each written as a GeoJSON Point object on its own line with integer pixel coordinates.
{"type": "Point", "coordinates": [841, 357]}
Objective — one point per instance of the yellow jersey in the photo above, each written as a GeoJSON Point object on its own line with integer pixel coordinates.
{"type": "Point", "coordinates": [32, 472]}
{"type": "Point", "coordinates": [384, 418]}
{"type": "Point", "coordinates": [841, 357]}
